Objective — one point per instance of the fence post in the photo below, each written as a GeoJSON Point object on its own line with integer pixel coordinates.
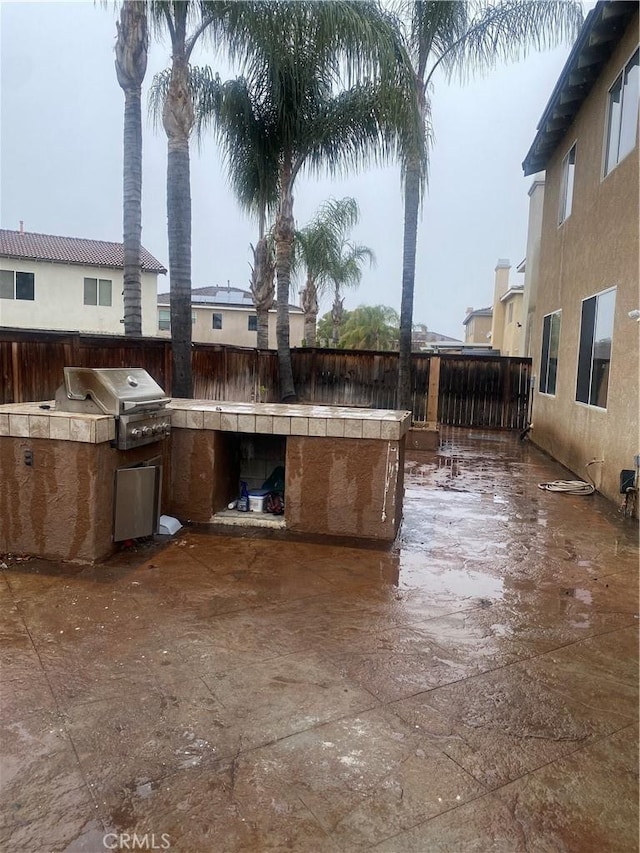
{"type": "Point", "coordinates": [15, 373]}
{"type": "Point", "coordinates": [434, 390]}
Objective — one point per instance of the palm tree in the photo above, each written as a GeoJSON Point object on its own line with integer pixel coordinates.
{"type": "Point", "coordinates": [242, 129]}
{"type": "Point", "coordinates": [346, 272]}
{"type": "Point", "coordinates": [371, 327]}
{"type": "Point", "coordinates": [462, 37]}
{"type": "Point", "coordinates": [327, 77]}
{"type": "Point", "coordinates": [131, 65]}
{"type": "Point", "coordinates": [175, 103]}
{"type": "Point", "coordinates": [317, 249]}
{"type": "Point", "coordinates": [325, 329]}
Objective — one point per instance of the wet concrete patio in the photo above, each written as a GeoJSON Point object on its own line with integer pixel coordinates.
{"type": "Point", "coordinates": [473, 688]}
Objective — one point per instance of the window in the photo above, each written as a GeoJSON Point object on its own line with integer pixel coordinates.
{"type": "Point", "coordinates": [216, 321]}
{"type": "Point", "coordinates": [566, 188]}
{"type": "Point", "coordinates": [594, 356]}
{"type": "Point", "coordinates": [549, 359]}
{"type": "Point", "coordinates": [97, 291]}
{"type": "Point", "coordinates": [623, 115]}
{"type": "Point", "coordinates": [510, 313]}
{"type": "Point", "coordinates": [17, 285]}
{"type": "Point", "coordinates": [164, 319]}
{"type": "Point", "coordinates": [252, 324]}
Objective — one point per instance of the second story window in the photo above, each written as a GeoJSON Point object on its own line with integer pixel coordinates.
{"type": "Point", "coordinates": [252, 323]}
{"type": "Point", "coordinates": [216, 321]}
{"type": "Point", "coordinates": [97, 291]}
{"type": "Point", "coordinates": [549, 358]}
{"type": "Point", "coordinates": [566, 187]}
{"type": "Point", "coordinates": [623, 115]}
{"type": "Point", "coordinates": [17, 285]}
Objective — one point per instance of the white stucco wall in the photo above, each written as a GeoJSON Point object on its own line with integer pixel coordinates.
{"type": "Point", "coordinates": [234, 329]}
{"type": "Point", "coordinates": [59, 299]}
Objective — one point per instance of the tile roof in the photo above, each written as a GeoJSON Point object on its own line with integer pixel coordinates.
{"type": "Point", "coordinates": [69, 250]}
{"type": "Point", "coordinates": [479, 312]}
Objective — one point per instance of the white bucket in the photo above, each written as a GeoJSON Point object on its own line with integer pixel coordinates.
{"type": "Point", "coordinates": [257, 502]}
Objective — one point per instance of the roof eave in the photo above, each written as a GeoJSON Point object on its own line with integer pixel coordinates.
{"type": "Point", "coordinates": [603, 27]}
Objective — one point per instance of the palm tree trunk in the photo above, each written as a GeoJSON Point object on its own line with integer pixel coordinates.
{"type": "Point", "coordinates": [179, 233]}
{"type": "Point", "coordinates": [410, 238]}
{"type": "Point", "coordinates": [310, 307]}
{"type": "Point", "coordinates": [132, 211]}
{"type": "Point", "coordinates": [131, 65]}
{"type": "Point", "coordinates": [284, 233]}
{"type": "Point", "coordinates": [178, 120]}
{"type": "Point", "coordinates": [262, 315]}
{"type": "Point", "coordinates": [262, 287]}
{"type": "Point", "coordinates": [336, 316]}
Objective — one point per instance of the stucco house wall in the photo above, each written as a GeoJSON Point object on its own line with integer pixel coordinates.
{"type": "Point", "coordinates": [235, 326]}
{"type": "Point", "coordinates": [594, 249]}
{"type": "Point", "coordinates": [512, 327]}
{"type": "Point", "coordinates": [478, 329]}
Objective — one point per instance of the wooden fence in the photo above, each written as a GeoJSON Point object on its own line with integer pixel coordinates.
{"type": "Point", "coordinates": [473, 391]}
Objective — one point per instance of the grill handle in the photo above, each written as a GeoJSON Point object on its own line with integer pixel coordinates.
{"type": "Point", "coordinates": [132, 405]}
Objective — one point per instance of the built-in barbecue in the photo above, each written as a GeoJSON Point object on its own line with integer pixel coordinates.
{"type": "Point", "coordinates": [131, 395]}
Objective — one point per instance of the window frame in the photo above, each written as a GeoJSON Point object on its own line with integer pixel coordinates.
{"type": "Point", "coordinates": [98, 293]}
{"type": "Point", "coordinates": [544, 371]}
{"type": "Point", "coordinates": [14, 286]}
{"type": "Point", "coordinates": [214, 315]}
{"type": "Point", "coordinates": [607, 124]}
{"type": "Point", "coordinates": [166, 318]}
{"type": "Point", "coordinates": [163, 319]}
{"type": "Point", "coordinates": [566, 198]}
{"type": "Point", "coordinates": [596, 296]}
{"type": "Point", "coordinates": [253, 317]}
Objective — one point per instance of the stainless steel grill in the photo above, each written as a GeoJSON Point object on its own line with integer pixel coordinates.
{"type": "Point", "coordinates": [130, 395]}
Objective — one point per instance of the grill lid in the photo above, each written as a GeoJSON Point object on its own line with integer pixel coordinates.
{"type": "Point", "coordinates": [115, 390]}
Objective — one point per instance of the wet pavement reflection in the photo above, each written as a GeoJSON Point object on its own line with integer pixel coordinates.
{"type": "Point", "coordinates": [472, 688]}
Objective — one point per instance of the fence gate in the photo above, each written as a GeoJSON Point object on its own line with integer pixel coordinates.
{"type": "Point", "coordinates": [491, 392]}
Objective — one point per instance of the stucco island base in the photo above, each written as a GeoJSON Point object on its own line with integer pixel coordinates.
{"type": "Point", "coordinates": [61, 505]}
{"type": "Point", "coordinates": [348, 485]}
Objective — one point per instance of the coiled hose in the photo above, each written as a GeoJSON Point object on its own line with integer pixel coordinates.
{"type": "Point", "coordinates": [570, 487]}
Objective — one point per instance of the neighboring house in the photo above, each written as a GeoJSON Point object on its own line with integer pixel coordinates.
{"type": "Point", "coordinates": [531, 265]}
{"type": "Point", "coordinates": [69, 284]}
{"type": "Point", "coordinates": [477, 326]}
{"type": "Point", "coordinates": [227, 315]}
{"type": "Point", "coordinates": [499, 327]}
{"type": "Point", "coordinates": [422, 338]}
{"type": "Point", "coordinates": [506, 319]}
{"type": "Point", "coordinates": [584, 302]}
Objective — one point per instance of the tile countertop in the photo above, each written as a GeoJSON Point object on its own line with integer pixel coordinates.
{"type": "Point", "coordinates": [290, 419]}
{"type": "Point", "coordinates": [30, 420]}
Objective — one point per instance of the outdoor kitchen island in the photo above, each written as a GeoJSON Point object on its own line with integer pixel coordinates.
{"type": "Point", "coordinates": [344, 467]}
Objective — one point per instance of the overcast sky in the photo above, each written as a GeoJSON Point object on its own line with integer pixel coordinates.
{"type": "Point", "coordinates": [61, 119]}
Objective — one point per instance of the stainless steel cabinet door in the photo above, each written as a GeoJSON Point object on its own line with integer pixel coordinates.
{"type": "Point", "coordinates": [137, 494]}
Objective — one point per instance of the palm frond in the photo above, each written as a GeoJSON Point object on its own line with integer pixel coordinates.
{"type": "Point", "coordinates": [506, 31]}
